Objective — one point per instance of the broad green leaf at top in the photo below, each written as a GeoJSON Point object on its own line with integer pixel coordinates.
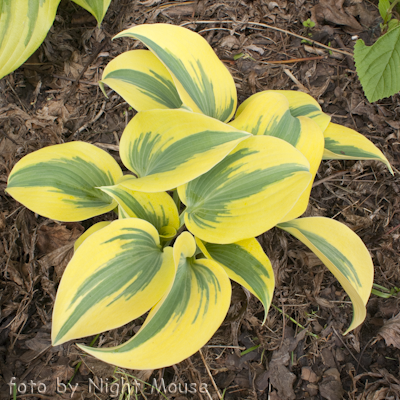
{"type": "Point", "coordinates": [378, 66]}
{"type": "Point", "coordinates": [384, 6]}
{"type": "Point", "coordinates": [23, 27]}
{"type": "Point", "coordinates": [343, 253]}
{"type": "Point", "coordinates": [61, 182]}
{"type": "Point", "coordinates": [97, 8]}
{"type": "Point", "coordinates": [203, 82]}
{"type": "Point", "coordinates": [183, 320]}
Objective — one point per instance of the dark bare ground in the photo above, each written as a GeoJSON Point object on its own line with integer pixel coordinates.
{"type": "Point", "coordinates": [54, 98]}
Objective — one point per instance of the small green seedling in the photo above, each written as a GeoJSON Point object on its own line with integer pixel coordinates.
{"type": "Point", "coordinates": [383, 292]}
{"type": "Point", "coordinates": [308, 23]}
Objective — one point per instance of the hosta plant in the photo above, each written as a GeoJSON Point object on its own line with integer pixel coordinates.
{"type": "Point", "coordinates": [24, 25]}
{"type": "Point", "coordinates": [190, 165]}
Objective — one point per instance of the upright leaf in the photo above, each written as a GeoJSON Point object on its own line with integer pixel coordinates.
{"type": "Point", "coordinates": [167, 148]}
{"type": "Point", "coordinates": [23, 26]}
{"type": "Point", "coordinates": [203, 82]}
{"type": "Point", "coordinates": [345, 255]}
{"type": "Point", "coordinates": [61, 182]}
{"type": "Point", "coordinates": [378, 66]}
{"type": "Point", "coordinates": [184, 319]}
{"type": "Point", "coordinates": [247, 193]}
{"type": "Point", "coordinates": [117, 274]}
{"type": "Point", "coordinates": [142, 80]}
{"type": "Point", "coordinates": [97, 8]}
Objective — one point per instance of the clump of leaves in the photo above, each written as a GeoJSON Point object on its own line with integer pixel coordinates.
{"type": "Point", "coordinates": [24, 25]}
{"type": "Point", "coordinates": [378, 66]}
{"type": "Point", "coordinates": [236, 179]}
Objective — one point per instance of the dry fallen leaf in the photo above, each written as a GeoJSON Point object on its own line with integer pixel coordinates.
{"type": "Point", "coordinates": [332, 11]}
{"type": "Point", "coordinates": [390, 331]}
{"type": "Point", "coordinates": [51, 238]}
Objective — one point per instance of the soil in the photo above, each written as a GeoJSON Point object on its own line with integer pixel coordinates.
{"type": "Point", "coordinates": [54, 98]}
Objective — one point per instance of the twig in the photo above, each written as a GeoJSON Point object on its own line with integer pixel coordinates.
{"type": "Point", "coordinates": [209, 374]}
{"type": "Point", "coordinates": [293, 60]}
{"type": "Point", "coordinates": [74, 80]}
{"type": "Point", "coordinates": [296, 81]}
{"type": "Point", "coordinates": [275, 29]}
{"type": "Point", "coordinates": [393, 229]}
{"type": "Point", "coordinates": [93, 57]}
{"type": "Point", "coordinates": [347, 347]}
{"type": "Point", "coordinates": [328, 178]}
{"type": "Point", "coordinates": [94, 119]}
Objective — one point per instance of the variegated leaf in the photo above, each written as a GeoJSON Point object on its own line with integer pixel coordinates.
{"type": "Point", "coordinates": [142, 80]}
{"type": "Point", "coordinates": [23, 26]}
{"type": "Point", "coordinates": [311, 145]}
{"type": "Point", "coordinates": [60, 182]}
{"type": "Point", "coordinates": [94, 228]}
{"type": "Point", "coordinates": [183, 321]}
{"type": "Point", "coordinates": [269, 113]}
{"type": "Point", "coordinates": [300, 104]}
{"type": "Point", "coordinates": [343, 252]}
{"type": "Point", "coordinates": [97, 8]}
{"type": "Point", "coordinates": [117, 274]}
{"type": "Point", "coordinates": [167, 148]}
{"type": "Point", "coordinates": [246, 263]}
{"type": "Point", "coordinates": [247, 193]}
{"type": "Point", "coordinates": [343, 143]}
{"type": "Point", "coordinates": [157, 208]}
{"type": "Point", "coordinates": [203, 82]}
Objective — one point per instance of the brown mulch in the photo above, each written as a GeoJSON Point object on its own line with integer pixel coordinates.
{"type": "Point", "coordinates": [54, 98]}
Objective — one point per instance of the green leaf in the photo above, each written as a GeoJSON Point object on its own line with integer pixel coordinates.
{"type": "Point", "coordinates": [393, 23]}
{"type": "Point", "coordinates": [97, 8]}
{"type": "Point", "coordinates": [384, 6]}
{"type": "Point", "coordinates": [378, 66]}
{"type": "Point", "coordinates": [23, 26]}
